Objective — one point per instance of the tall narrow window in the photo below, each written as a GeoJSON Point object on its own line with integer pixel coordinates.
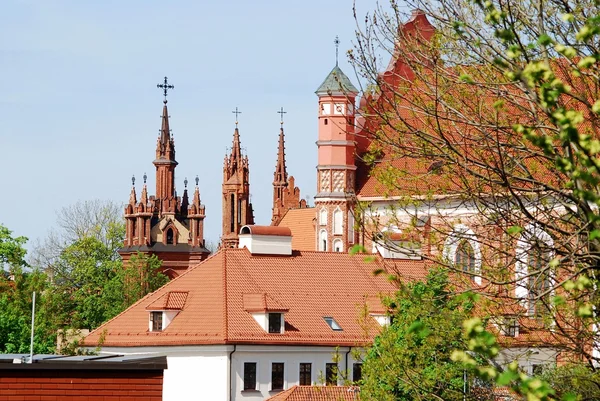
{"type": "Point", "coordinates": [249, 375]}
{"type": "Point", "coordinates": [356, 372]}
{"type": "Point", "coordinates": [323, 217]}
{"type": "Point", "coordinates": [539, 279]}
{"type": "Point", "coordinates": [232, 213]}
{"type": "Point", "coordinates": [277, 376]}
{"type": "Point", "coordinates": [239, 212]}
{"type": "Point", "coordinates": [331, 372]}
{"type": "Point", "coordinates": [156, 320]}
{"type": "Point", "coordinates": [464, 258]}
{"type": "Point", "coordinates": [305, 374]}
{"type": "Point", "coordinates": [337, 221]}
{"type": "Point", "coordinates": [323, 240]}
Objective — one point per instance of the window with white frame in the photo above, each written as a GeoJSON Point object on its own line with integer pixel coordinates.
{"type": "Point", "coordinates": [156, 321]}
{"type": "Point", "coordinates": [338, 245]}
{"type": "Point", "coordinates": [277, 377]}
{"type": "Point", "coordinates": [275, 323]}
{"type": "Point", "coordinates": [326, 108]}
{"type": "Point", "coordinates": [323, 240]}
{"type": "Point", "coordinates": [532, 270]}
{"type": "Point", "coordinates": [323, 217]}
{"type": "Point", "coordinates": [463, 251]}
{"type": "Point", "coordinates": [338, 217]}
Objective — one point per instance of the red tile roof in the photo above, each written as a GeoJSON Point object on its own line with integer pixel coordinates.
{"type": "Point", "coordinates": [301, 222]}
{"type": "Point", "coordinates": [310, 285]}
{"type": "Point", "coordinates": [173, 300]}
{"type": "Point", "coordinates": [318, 393]}
{"type": "Point", "coordinates": [262, 303]}
{"type": "Point", "coordinates": [269, 230]}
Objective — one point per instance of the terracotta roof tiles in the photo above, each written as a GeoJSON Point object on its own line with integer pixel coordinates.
{"type": "Point", "coordinates": [310, 285]}
{"type": "Point", "coordinates": [301, 222]}
{"type": "Point", "coordinates": [318, 393]}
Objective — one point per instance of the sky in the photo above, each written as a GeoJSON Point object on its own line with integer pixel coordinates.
{"type": "Point", "coordinates": [80, 110]}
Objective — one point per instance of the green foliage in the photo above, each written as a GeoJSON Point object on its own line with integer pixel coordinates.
{"type": "Point", "coordinates": [574, 382]}
{"type": "Point", "coordinates": [12, 253]}
{"type": "Point", "coordinates": [410, 359]}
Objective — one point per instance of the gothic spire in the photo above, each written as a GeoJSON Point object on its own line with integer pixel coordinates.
{"type": "Point", "coordinates": [280, 176]}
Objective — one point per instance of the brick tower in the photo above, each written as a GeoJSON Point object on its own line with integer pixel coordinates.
{"type": "Point", "coordinates": [164, 224]}
{"type": "Point", "coordinates": [237, 209]}
{"type": "Point", "coordinates": [336, 169]}
{"type": "Point", "coordinates": [286, 195]}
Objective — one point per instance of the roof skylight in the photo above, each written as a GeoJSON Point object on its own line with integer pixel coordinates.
{"type": "Point", "coordinates": [332, 323]}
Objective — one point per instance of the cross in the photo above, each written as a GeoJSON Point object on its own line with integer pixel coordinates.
{"type": "Point", "coordinates": [236, 112]}
{"type": "Point", "coordinates": [165, 87]}
{"type": "Point", "coordinates": [337, 48]}
{"type": "Point", "coordinates": [281, 112]}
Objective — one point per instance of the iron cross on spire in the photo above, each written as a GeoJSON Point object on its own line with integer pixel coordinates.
{"type": "Point", "coordinates": [236, 112]}
{"type": "Point", "coordinates": [281, 112]}
{"type": "Point", "coordinates": [165, 87]}
{"type": "Point", "coordinates": [337, 48]}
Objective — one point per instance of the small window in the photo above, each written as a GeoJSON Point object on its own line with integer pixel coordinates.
{"type": "Point", "coordinates": [337, 221]}
{"type": "Point", "coordinates": [331, 372]}
{"type": "Point", "coordinates": [539, 279]}
{"type": "Point", "coordinates": [170, 236]}
{"type": "Point", "coordinates": [325, 122]}
{"type": "Point", "coordinates": [332, 323]}
{"type": "Point", "coordinates": [249, 375]}
{"type": "Point", "coordinates": [275, 322]}
{"type": "Point", "coordinates": [305, 374]}
{"type": "Point", "coordinates": [356, 372]}
{"type": "Point", "coordinates": [338, 245]}
{"type": "Point", "coordinates": [323, 241]}
{"type": "Point", "coordinates": [156, 320]}
{"type": "Point", "coordinates": [510, 326]}
{"type": "Point", "coordinates": [323, 217]}
{"type": "Point", "coordinates": [277, 376]}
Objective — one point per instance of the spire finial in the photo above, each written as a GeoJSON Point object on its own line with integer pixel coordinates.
{"type": "Point", "coordinates": [197, 180]}
{"type": "Point", "coordinates": [337, 48]}
{"type": "Point", "coordinates": [185, 182]}
{"type": "Point", "coordinates": [281, 112]}
{"type": "Point", "coordinates": [133, 180]}
{"type": "Point", "coordinates": [236, 112]}
{"type": "Point", "coordinates": [165, 86]}
{"type": "Point", "coordinates": [145, 178]}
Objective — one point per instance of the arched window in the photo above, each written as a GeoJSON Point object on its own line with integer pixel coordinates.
{"type": "Point", "coordinates": [323, 217]}
{"type": "Point", "coordinates": [338, 245]}
{"type": "Point", "coordinates": [464, 258]}
{"type": "Point", "coordinates": [350, 227]}
{"type": "Point", "coordinates": [532, 273]}
{"type": "Point", "coordinates": [169, 235]}
{"type": "Point", "coordinates": [463, 252]}
{"type": "Point", "coordinates": [323, 240]}
{"type": "Point", "coordinates": [337, 221]}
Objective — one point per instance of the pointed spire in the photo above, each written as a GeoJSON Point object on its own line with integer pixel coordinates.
{"type": "Point", "coordinates": [235, 158]}
{"type": "Point", "coordinates": [280, 176]}
{"type": "Point", "coordinates": [132, 196]}
{"type": "Point", "coordinates": [337, 48]}
{"type": "Point", "coordinates": [144, 196]}
{"type": "Point", "coordinates": [196, 200]}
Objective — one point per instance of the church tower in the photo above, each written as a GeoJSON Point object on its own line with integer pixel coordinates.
{"type": "Point", "coordinates": [165, 224]}
{"type": "Point", "coordinates": [336, 169]}
{"type": "Point", "coordinates": [237, 209]}
{"type": "Point", "coordinates": [286, 195]}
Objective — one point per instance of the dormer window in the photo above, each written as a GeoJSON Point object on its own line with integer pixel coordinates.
{"type": "Point", "coordinates": [275, 322]}
{"type": "Point", "coordinates": [509, 326]}
{"type": "Point", "coordinates": [156, 321]}
{"type": "Point", "coordinates": [332, 323]}
{"type": "Point", "coordinates": [383, 320]}
{"type": "Point", "coordinates": [169, 236]}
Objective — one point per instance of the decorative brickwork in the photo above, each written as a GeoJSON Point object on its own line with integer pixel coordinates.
{"type": "Point", "coordinates": [165, 224]}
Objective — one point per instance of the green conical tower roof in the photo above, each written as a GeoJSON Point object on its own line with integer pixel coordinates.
{"type": "Point", "coordinates": [336, 83]}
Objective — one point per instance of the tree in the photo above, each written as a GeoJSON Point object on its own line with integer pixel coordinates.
{"type": "Point", "coordinates": [496, 111]}
{"type": "Point", "coordinates": [411, 359]}
{"type": "Point", "coordinates": [12, 252]}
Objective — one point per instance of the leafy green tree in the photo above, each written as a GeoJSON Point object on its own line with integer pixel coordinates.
{"type": "Point", "coordinates": [411, 359]}
{"type": "Point", "coordinates": [12, 252]}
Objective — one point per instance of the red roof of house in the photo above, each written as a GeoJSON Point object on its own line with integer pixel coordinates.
{"type": "Point", "coordinates": [224, 290]}
{"type": "Point", "coordinates": [302, 224]}
{"type": "Point", "coordinates": [318, 393]}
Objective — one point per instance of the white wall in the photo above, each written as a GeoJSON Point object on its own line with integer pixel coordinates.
{"type": "Point", "coordinates": [194, 373]}
{"type": "Point", "coordinates": [291, 356]}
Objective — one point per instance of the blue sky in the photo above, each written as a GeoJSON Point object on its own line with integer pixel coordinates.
{"type": "Point", "coordinates": [79, 108]}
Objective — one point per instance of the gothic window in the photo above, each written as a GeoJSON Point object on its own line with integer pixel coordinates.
{"type": "Point", "coordinates": [239, 212]}
{"type": "Point", "coordinates": [337, 221]}
{"type": "Point", "coordinates": [464, 258]}
{"type": "Point", "coordinates": [232, 214]}
{"type": "Point", "coordinates": [170, 236]}
{"type": "Point", "coordinates": [323, 217]}
{"type": "Point", "coordinates": [338, 245]}
{"type": "Point", "coordinates": [322, 240]}
{"type": "Point", "coordinates": [539, 279]}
